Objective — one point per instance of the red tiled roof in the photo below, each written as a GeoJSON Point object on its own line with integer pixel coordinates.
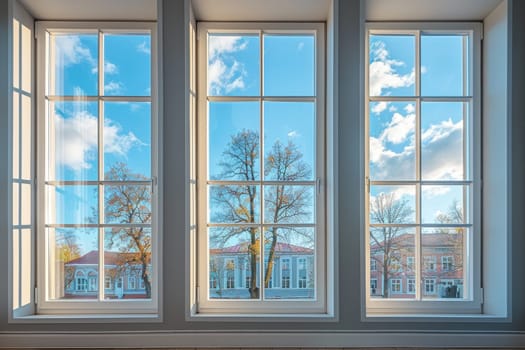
{"type": "Point", "coordinates": [279, 248]}
{"type": "Point", "coordinates": [110, 258]}
{"type": "Point", "coordinates": [427, 240]}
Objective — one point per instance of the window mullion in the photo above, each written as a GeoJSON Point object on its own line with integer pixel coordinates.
{"type": "Point", "coordinates": [261, 160]}
{"type": "Point", "coordinates": [101, 270]}
{"type": "Point", "coordinates": [418, 239]}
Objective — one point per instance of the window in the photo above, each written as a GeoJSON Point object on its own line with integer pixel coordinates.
{"type": "Point", "coordinates": [395, 286]}
{"type": "Point", "coordinates": [430, 286]}
{"type": "Point", "coordinates": [96, 165]}
{"type": "Point", "coordinates": [373, 265]}
{"type": "Point", "coordinates": [422, 157]}
{"type": "Point", "coordinates": [373, 286]}
{"type": "Point", "coordinates": [411, 286]}
{"type": "Point", "coordinates": [261, 163]}
{"type": "Point", "coordinates": [430, 263]}
{"type": "Point", "coordinates": [447, 263]}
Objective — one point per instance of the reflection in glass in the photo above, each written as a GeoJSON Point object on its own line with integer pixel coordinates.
{"type": "Point", "coordinates": [233, 142]}
{"type": "Point", "coordinates": [128, 204]}
{"type": "Point", "coordinates": [127, 259]}
{"type": "Point", "coordinates": [392, 65]}
{"type": "Point", "coordinates": [392, 142]}
{"type": "Point", "coordinates": [442, 65]}
{"type": "Point", "coordinates": [442, 204]}
{"type": "Point", "coordinates": [234, 267]}
{"type": "Point", "coordinates": [73, 71]}
{"type": "Point", "coordinates": [233, 65]}
{"type": "Point", "coordinates": [290, 143]}
{"type": "Point", "coordinates": [73, 260]}
{"type": "Point", "coordinates": [442, 140]}
{"type": "Point", "coordinates": [443, 258]}
{"type": "Point", "coordinates": [392, 251]}
{"type": "Point", "coordinates": [127, 139]}
{"type": "Point", "coordinates": [127, 65]}
{"type": "Point", "coordinates": [289, 62]}
{"type": "Point", "coordinates": [234, 204]}
{"type": "Point", "coordinates": [289, 204]}
{"type": "Point", "coordinates": [73, 141]}
{"type": "Point", "coordinates": [289, 263]}
{"type": "Point", "coordinates": [72, 204]}
{"type": "Point", "coordinates": [392, 204]}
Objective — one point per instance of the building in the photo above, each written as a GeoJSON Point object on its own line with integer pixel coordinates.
{"type": "Point", "coordinates": [123, 276]}
{"type": "Point", "coordinates": [442, 272]}
{"type": "Point", "coordinates": [292, 275]}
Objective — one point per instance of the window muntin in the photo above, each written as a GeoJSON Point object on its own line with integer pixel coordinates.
{"type": "Point", "coordinates": [253, 100]}
{"type": "Point", "coordinates": [97, 165]}
{"type": "Point", "coordinates": [422, 165]}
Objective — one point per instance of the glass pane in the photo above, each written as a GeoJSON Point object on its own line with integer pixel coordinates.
{"type": "Point", "coordinates": [442, 65]}
{"type": "Point", "coordinates": [127, 260]}
{"type": "Point", "coordinates": [289, 263]}
{"type": "Point", "coordinates": [26, 137]}
{"type": "Point", "coordinates": [74, 69]}
{"type": "Point", "coordinates": [16, 204]}
{"type": "Point", "coordinates": [127, 204]}
{"type": "Point", "coordinates": [73, 141]}
{"type": "Point", "coordinates": [127, 140]}
{"type": "Point", "coordinates": [233, 65]}
{"type": "Point", "coordinates": [73, 260]}
{"type": "Point", "coordinates": [443, 257]}
{"type": "Point", "coordinates": [72, 204]}
{"type": "Point", "coordinates": [233, 144]}
{"type": "Point", "coordinates": [287, 204]}
{"type": "Point", "coordinates": [392, 204]}
{"type": "Point", "coordinates": [26, 266]}
{"type": "Point", "coordinates": [127, 65]}
{"type": "Point", "coordinates": [26, 56]}
{"type": "Point", "coordinates": [392, 269]}
{"type": "Point", "coordinates": [444, 204]}
{"type": "Point", "coordinates": [289, 65]}
{"type": "Point", "coordinates": [234, 268]}
{"type": "Point", "coordinates": [392, 140]}
{"type": "Point", "coordinates": [16, 135]}
{"type": "Point", "coordinates": [234, 204]}
{"type": "Point", "coordinates": [16, 53]}
{"type": "Point", "coordinates": [392, 65]}
{"type": "Point", "coordinates": [443, 146]}
{"type": "Point", "coordinates": [290, 141]}
{"type": "Point", "coordinates": [16, 269]}
{"type": "Point", "coordinates": [26, 205]}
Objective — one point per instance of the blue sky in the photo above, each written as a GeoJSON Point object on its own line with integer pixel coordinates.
{"type": "Point", "coordinates": [392, 124]}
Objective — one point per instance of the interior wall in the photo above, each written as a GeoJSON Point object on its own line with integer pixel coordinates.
{"type": "Point", "coordinates": [349, 329]}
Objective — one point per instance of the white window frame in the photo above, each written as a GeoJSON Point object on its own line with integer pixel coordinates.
{"type": "Point", "coordinates": [398, 282]}
{"type": "Point", "coordinates": [302, 260]}
{"type": "Point", "coordinates": [102, 306]}
{"type": "Point", "coordinates": [411, 282]}
{"type": "Point", "coordinates": [247, 307]}
{"type": "Point", "coordinates": [430, 282]}
{"type": "Point", "coordinates": [471, 303]}
{"type": "Point", "coordinates": [448, 262]}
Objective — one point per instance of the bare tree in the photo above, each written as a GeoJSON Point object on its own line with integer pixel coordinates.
{"type": "Point", "coordinates": [239, 204]}
{"type": "Point", "coordinates": [387, 242]}
{"type": "Point", "coordinates": [68, 250]}
{"type": "Point", "coordinates": [130, 204]}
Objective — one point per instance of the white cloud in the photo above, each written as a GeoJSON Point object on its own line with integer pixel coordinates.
{"type": "Point", "coordinates": [76, 141]}
{"type": "Point", "coordinates": [144, 48]}
{"type": "Point", "coordinates": [110, 68]}
{"type": "Point", "coordinates": [410, 108]}
{"type": "Point", "coordinates": [380, 107]}
{"type": "Point", "coordinates": [382, 70]}
{"type": "Point", "coordinates": [69, 50]}
{"type": "Point", "coordinates": [434, 191]}
{"type": "Point", "coordinates": [113, 87]}
{"type": "Point", "coordinates": [392, 109]}
{"type": "Point", "coordinates": [399, 128]}
{"type": "Point", "coordinates": [225, 73]}
{"type": "Point", "coordinates": [293, 133]}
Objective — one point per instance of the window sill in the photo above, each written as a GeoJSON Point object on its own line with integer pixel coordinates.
{"type": "Point", "coordinates": [88, 318]}
{"type": "Point", "coordinates": [215, 317]}
{"type": "Point", "coordinates": [433, 317]}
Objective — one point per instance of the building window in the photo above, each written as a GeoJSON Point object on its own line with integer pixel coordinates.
{"type": "Point", "coordinates": [430, 286]}
{"type": "Point", "coordinates": [422, 152]}
{"type": "Point", "coordinates": [301, 273]}
{"type": "Point", "coordinates": [373, 264]}
{"type": "Point", "coordinates": [395, 285]}
{"type": "Point", "coordinates": [373, 286]}
{"type": "Point", "coordinates": [230, 281]}
{"type": "Point", "coordinates": [447, 263]}
{"type": "Point", "coordinates": [132, 283]}
{"type": "Point", "coordinates": [410, 263]}
{"type": "Point", "coordinates": [247, 282]}
{"type": "Point", "coordinates": [96, 117]}
{"type": "Point", "coordinates": [107, 282]}
{"type": "Point", "coordinates": [430, 263]}
{"type": "Point", "coordinates": [261, 161]}
{"type": "Point", "coordinates": [411, 286]}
